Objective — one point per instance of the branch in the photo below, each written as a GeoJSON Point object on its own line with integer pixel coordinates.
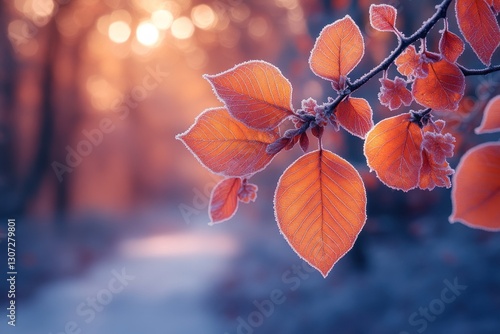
{"type": "Point", "coordinates": [482, 71]}
{"type": "Point", "coordinates": [403, 44]}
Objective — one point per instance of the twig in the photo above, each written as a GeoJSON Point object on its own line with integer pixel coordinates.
{"type": "Point", "coordinates": [403, 44]}
{"type": "Point", "coordinates": [487, 70]}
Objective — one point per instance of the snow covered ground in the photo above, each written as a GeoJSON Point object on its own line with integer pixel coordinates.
{"type": "Point", "coordinates": [243, 278]}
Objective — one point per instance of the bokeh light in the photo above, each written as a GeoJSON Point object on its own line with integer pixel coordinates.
{"type": "Point", "coordinates": [21, 36]}
{"type": "Point", "coordinates": [101, 92]}
{"type": "Point", "coordinates": [119, 31]}
{"type": "Point", "coordinates": [102, 24]}
{"type": "Point", "coordinates": [296, 21]}
{"type": "Point", "coordinates": [240, 13]}
{"type": "Point", "coordinates": [148, 5]}
{"type": "Point", "coordinates": [121, 15]}
{"type": "Point", "coordinates": [203, 16]}
{"type": "Point", "coordinates": [289, 4]}
{"type": "Point", "coordinates": [43, 8]}
{"type": "Point", "coordinates": [102, 88]}
{"type": "Point", "coordinates": [173, 7]}
{"type": "Point", "coordinates": [182, 28]}
{"type": "Point", "coordinates": [258, 27]}
{"type": "Point", "coordinates": [147, 34]}
{"type": "Point", "coordinates": [162, 19]}
{"type": "Point", "coordinates": [38, 11]}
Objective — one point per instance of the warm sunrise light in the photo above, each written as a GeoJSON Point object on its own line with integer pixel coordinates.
{"type": "Point", "coordinates": [203, 16]}
{"type": "Point", "coordinates": [132, 132]}
{"type": "Point", "coordinates": [147, 34]}
{"type": "Point", "coordinates": [43, 8]}
{"type": "Point", "coordinates": [119, 31]}
{"type": "Point", "coordinates": [182, 28]}
{"type": "Point", "coordinates": [258, 27]}
{"type": "Point", "coordinates": [162, 19]}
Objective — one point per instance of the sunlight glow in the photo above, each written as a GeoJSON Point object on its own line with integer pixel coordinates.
{"type": "Point", "coordinates": [162, 19]}
{"type": "Point", "coordinates": [182, 28]}
{"type": "Point", "coordinates": [38, 11]}
{"type": "Point", "coordinates": [203, 16]}
{"type": "Point", "coordinates": [147, 34]}
{"type": "Point", "coordinates": [43, 8]}
{"type": "Point", "coordinates": [119, 32]}
{"type": "Point", "coordinates": [148, 5]}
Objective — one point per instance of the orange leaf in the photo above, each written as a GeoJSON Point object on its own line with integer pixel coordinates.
{"type": "Point", "coordinates": [338, 49]}
{"type": "Point", "coordinates": [410, 63]}
{"type": "Point", "coordinates": [320, 206]}
{"type": "Point", "coordinates": [227, 146]}
{"type": "Point", "coordinates": [476, 188]}
{"type": "Point", "coordinates": [255, 93]}
{"type": "Point", "coordinates": [383, 17]}
{"type": "Point", "coordinates": [478, 24]}
{"type": "Point", "coordinates": [224, 200]}
{"type": "Point", "coordinates": [355, 115]}
{"type": "Point", "coordinates": [491, 117]}
{"type": "Point", "coordinates": [393, 149]}
{"type": "Point", "coordinates": [451, 46]}
{"type": "Point", "coordinates": [433, 174]}
{"type": "Point", "coordinates": [442, 89]}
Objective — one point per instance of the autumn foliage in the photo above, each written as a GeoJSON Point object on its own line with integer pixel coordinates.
{"type": "Point", "coordinates": [393, 149]}
{"type": "Point", "coordinates": [320, 206]}
{"type": "Point", "coordinates": [320, 199]}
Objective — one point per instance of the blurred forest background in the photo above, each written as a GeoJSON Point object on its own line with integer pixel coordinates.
{"type": "Point", "coordinates": [92, 94]}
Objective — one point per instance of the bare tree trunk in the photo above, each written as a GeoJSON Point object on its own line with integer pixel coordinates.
{"type": "Point", "coordinates": [20, 194]}
{"type": "Point", "coordinates": [8, 69]}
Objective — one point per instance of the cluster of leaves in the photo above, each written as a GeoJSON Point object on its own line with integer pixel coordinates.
{"type": "Point", "coordinates": [320, 200]}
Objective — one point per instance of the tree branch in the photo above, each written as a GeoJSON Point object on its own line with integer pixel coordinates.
{"type": "Point", "coordinates": [482, 71]}
{"type": "Point", "coordinates": [403, 44]}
